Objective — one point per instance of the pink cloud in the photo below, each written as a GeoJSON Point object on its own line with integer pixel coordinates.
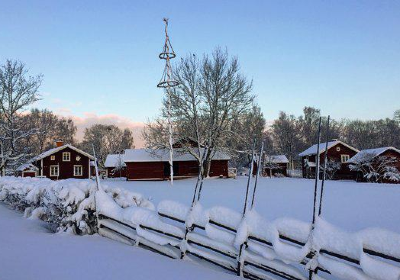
{"type": "Point", "coordinates": [88, 119]}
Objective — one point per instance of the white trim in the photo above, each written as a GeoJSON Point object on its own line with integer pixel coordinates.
{"type": "Point", "coordinates": [41, 168]}
{"type": "Point", "coordinates": [90, 170]}
{"type": "Point", "coordinates": [52, 157]}
{"type": "Point", "coordinates": [65, 154]}
{"type": "Point", "coordinates": [344, 158]}
{"type": "Point", "coordinates": [78, 175]}
{"type": "Point", "coordinates": [58, 171]}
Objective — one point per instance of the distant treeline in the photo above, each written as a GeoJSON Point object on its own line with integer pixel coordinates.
{"type": "Point", "coordinates": [290, 135]}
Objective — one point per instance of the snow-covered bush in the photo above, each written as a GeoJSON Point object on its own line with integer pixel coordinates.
{"type": "Point", "coordinates": [331, 168]}
{"type": "Point", "coordinates": [376, 168]}
{"type": "Point", "coordinates": [67, 205]}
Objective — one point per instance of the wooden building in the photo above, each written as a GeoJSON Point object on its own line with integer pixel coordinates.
{"type": "Point", "coordinates": [62, 162]}
{"type": "Point", "coordinates": [337, 151]}
{"type": "Point", "coordinates": [275, 165]}
{"type": "Point", "coordinates": [115, 166]}
{"type": "Point", "coordinates": [142, 164]}
{"type": "Point", "coordinates": [372, 156]}
{"type": "Point", "coordinates": [27, 170]}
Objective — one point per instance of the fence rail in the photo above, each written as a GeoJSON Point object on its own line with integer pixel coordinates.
{"type": "Point", "coordinates": [257, 257]}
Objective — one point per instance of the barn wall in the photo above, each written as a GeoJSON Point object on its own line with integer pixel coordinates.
{"type": "Point", "coordinates": [145, 170]}
{"type": "Point", "coordinates": [155, 170]}
{"type": "Point", "coordinates": [66, 168]}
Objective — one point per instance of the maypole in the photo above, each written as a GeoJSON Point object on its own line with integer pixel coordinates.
{"type": "Point", "coordinates": [168, 84]}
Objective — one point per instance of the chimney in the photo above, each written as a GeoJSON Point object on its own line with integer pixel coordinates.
{"type": "Point", "coordinates": [59, 143]}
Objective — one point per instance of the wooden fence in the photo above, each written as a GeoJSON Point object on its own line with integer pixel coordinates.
{"type": "Point", "coordinates": [293, 253]}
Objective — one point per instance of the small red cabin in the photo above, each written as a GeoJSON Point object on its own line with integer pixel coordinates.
{"type": "Point", "coordinates": [337, 151]}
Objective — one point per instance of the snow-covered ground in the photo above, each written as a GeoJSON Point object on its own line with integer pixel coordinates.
{"type": "Point", "coordinates": [349, 205]}
{"type": "Point", "coordinates": [29, 251]}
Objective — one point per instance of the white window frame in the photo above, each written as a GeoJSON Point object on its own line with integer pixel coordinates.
{"type": "Point", "coordinates": [81, 173]}
{"type": "Point", "coordinates": [344, 158]}
{"type": "Point", "coordinates": [53, 157]}
{"type": "Point", "coordinates": [65, 154]}
{"type": "Point", "coordinates": [54, 174]}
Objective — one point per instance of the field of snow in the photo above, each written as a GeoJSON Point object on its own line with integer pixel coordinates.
{"type": "Point", "coordinates": [29, 251]}
{"type": "Point", "coordinates": [349, 205]}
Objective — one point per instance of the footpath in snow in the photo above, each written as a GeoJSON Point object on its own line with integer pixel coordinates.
{"type": "Point", "coordinates": [28, 251]}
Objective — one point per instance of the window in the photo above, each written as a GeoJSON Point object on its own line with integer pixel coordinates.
{"type": "Point", "coordinates": [53, 158]}
{"type": "Point", "coordinates": [344, 158]}
{"type": "Point", "coordinates": [77, 170]}
{"type": "Point", "coordinates": [78, 158]}
{"type": "Point", "coordinates": [338, 149]}
{"type": "Point", "coordinates": [66, 156]}
{"type": "Point", "coordinates": [54, 170]}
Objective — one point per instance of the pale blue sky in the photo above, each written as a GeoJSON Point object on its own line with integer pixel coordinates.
{"type": "Point", "coordinates": [102, 56]}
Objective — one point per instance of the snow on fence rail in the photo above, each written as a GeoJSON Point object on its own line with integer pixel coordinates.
{"type": "Point", "coordinates": [249, 246]}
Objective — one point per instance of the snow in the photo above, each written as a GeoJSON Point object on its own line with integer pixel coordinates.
{"type": "Point", "coordinates": [370, 153]}
{"type": "Point", "coordinates": [29, 251]}
{"type": "Point", "coordinates": [313, 149]}
{"type": "Point", "coordinates": [348, 205]}
{"type": "Point", "coordinates": [113, 160]}
{"type": "Point", "coordinates": [144, 155]}
{"type": "Point", "coordinates": [345, 228]}
{"type": "Point", "coordinates": [55, 150]}
{"type": "Point", "coordinates": [27, 166]}
{"type": "Point", "coordinates": [277, 159]}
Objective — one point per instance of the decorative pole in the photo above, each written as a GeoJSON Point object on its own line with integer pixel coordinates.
{"type": "Point", "coordinates": [168, 84]}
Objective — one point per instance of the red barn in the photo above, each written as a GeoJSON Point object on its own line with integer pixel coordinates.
{"type": "Point", "coordinates": [338, 152]}
{"type": "Point", "coordinates": [63, 162]}
{"type": "Point", "coordinates": [145, 164]}
{"type": "Point", "coordinates": [375, 157]}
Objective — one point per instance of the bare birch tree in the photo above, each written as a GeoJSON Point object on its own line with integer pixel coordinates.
{"type": "Point", "coordinates": [211, 95]}
{"type": "Point", "coordinates": [18, 90]}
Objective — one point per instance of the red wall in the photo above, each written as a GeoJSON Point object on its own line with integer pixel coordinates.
{"type": "Point", "coordinates": [155, 170]}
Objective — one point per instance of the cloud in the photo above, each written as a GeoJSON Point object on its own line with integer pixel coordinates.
{"type": "Point", "coordinates": [88, 119]}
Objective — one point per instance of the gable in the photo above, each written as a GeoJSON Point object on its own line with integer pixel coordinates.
{"type": "Point", "coordinates": [314, 148]}
{"type": "Point", "coordinates": [59, 149]}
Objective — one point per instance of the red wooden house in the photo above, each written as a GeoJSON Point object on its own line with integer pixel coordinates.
{"type": "Point", "coordinates": [337, 151]}
{"type": "Point", "coordinates": [145, 164]}
{"type": "Point", "coordinates": [62, 162]}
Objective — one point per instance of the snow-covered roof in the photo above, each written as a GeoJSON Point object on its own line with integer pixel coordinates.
{"type": "Point", "coordinates": [57, 149]}
{"type": "Point", "coordinates": [371, 153]}
{"type": "Point", "coordinates": [26, 166]}
{"type": "Point", "coordinates": [277, 159]}
{"type": "Point", "coordinates": [313, 149]}
{"type": "Point", "coordinates": [113, 160]}
{"type": "Point", "coordinates": [144, 155]}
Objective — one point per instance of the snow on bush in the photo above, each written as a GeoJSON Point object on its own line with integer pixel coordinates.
{"type": "Point", "coordinates": [67, 205]}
